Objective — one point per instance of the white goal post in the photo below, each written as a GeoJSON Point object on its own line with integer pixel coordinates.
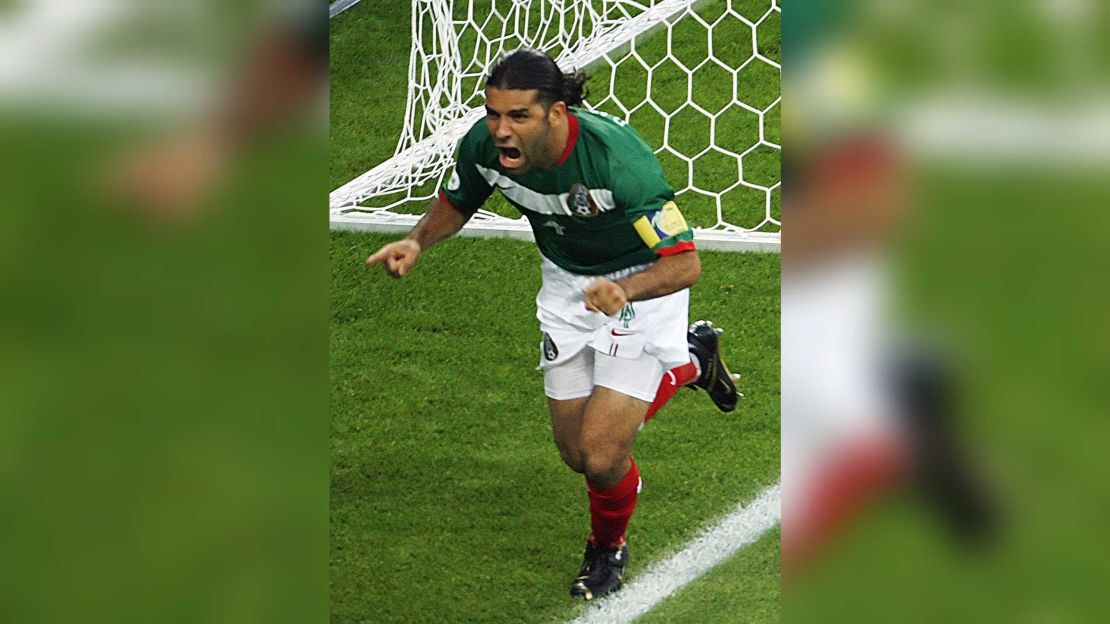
{"type": "Point", "coordinates": [697, 78]}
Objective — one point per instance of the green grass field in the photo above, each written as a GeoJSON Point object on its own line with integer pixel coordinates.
{"type": "Point", "coordinates": [449, 500]}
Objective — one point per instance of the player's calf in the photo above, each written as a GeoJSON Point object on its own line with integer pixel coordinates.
{"type": "Point", "coordinates": [606, 551]}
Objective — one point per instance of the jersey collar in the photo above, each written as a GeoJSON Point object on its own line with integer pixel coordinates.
{"type": "Point", "coordinates": [572, 137]}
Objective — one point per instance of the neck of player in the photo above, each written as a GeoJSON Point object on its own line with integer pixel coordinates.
{"type": "Point", "coordinates": [560, 135]}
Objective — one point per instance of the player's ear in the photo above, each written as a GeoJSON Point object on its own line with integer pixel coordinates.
{"type": "Point", "coordinates": [557, 111]}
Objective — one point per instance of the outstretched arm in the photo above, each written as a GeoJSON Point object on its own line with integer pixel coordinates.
{"type": "Point", "coordinates": [669, 274]}
{"type": "Point", "coordinates": [439, 222]}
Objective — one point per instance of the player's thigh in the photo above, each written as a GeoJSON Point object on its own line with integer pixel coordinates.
{"type": "Point", "coordinates": [623, 391]}
{"type": "Point", "coordinates": [609, 426]}
{"type": "Point", "coordinates": [568, 388]}
{"type": "Point", "coordinates": [566, 429]}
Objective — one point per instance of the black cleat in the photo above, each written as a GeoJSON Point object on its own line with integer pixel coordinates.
{"type": "Point", "coordinates": [601, 573]}
{"type": "Point", "coordinates": [928, 385]}
{"type": "Point", "coordinates": [715, 377]}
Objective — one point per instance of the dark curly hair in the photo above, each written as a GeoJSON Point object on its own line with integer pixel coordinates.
{"type": "Point", "coordinates": [531, 69]}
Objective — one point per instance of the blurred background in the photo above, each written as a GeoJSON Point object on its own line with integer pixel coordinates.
{"type": "Point", "coordinates": [163, 289]}
{"type": "Point", "coordinates": [944, 322]}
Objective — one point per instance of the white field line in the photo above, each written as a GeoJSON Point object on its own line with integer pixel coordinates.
{"type": "Point", "coordinates": [712, 546]}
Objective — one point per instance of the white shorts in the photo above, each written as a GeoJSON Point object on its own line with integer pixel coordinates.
{"type": "Point", "coordinates": [627, 352]}
{"type": "Point", "coordinates": [577, 377]}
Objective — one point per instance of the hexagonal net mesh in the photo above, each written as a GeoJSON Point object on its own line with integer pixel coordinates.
{"type": "Point", "coordinates": [698, 79]}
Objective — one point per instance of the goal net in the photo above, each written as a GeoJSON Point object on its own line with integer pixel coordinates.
{"type": "Point", "coordinates": [699, 80]}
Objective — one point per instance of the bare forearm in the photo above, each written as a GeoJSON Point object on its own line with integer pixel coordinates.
{"type": "Point", "coordinates": [440, 221]}
{"type": "Point", "coordinates": [668, 275]}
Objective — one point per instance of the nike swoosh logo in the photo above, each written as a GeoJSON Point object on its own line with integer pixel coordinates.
{"type": "Point", "coordinates": [614, 332]}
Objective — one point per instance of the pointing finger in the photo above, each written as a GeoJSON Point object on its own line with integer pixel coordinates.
{"type": "Point", "coordinates": [380, 255]}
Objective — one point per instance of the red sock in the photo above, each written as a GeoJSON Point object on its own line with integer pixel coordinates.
{"type": "Point", "coordinates": [611, 509]}
{"type": "Point", "coordinates": [672, 380]}
{"type": "Point", "coordinates": [852, 480]}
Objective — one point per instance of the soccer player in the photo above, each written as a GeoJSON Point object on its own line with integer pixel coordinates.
{"type": "Point", "coordinates": [618, 262]}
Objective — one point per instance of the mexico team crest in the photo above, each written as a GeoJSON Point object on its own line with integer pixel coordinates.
{"type": "Point", "coordinates": [579, 201]}
{"type": "Point", "coordinates": [550, 351]}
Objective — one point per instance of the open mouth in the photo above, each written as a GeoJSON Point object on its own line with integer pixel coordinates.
{"type": "Point", "coordinates": [511, 157]}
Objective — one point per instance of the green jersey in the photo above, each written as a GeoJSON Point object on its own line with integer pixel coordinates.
{"type": "Point", "coordinates": [603, 207]}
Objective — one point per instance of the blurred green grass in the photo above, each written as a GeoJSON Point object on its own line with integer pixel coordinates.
{"type": "Point", "coordinates": [1005, 271]}
{"type": "Point", "coordinates": [1001, 266]}
{"type": "Point", "coordinates": [162, 455]}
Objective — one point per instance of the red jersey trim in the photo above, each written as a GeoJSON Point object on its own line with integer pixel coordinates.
{"type": "Point", "coordinates": [572, 121]}
{"type": "Point", "coordinates": [681, 247]}
{"type": "Point", "coordinates": [446, 200]}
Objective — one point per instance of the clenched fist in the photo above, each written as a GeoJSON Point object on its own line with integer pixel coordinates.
{"type": "Point", "coordinates": [606, 296]}
{"type": "Point", "coordinates": [397, 257]}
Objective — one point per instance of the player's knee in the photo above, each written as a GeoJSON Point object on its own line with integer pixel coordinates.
{"type": "Point", "coordinates": [601, 462]}
{"type": "Point", "coordinates": [571, 456]}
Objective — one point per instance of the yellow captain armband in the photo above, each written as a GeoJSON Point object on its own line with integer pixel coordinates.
{"type": "Point", "coordinates": [660, 224]}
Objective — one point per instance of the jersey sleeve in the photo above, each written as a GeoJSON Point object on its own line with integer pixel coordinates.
{"type": "Point", "coordinates": [466, 189]}
{"type": "Point", "coordinates": [641, 190]}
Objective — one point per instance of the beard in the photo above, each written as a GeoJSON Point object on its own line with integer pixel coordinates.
{"type": "Point", "coordinates": [537, 149]}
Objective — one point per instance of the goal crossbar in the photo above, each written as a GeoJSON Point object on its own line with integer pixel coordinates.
{"type": "Point", "coordinates": [519, 229]}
